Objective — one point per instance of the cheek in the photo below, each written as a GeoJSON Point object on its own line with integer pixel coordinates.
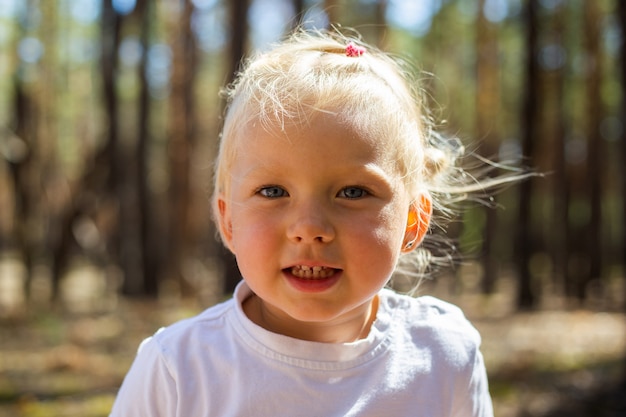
{"type": "Point", "coordinates": [385, 231]}
{"type": "Point", "coordinates": [252, 229]}
{"type": "Point", "coordinates": [251, 245]}
{"type": "Point", "coordinates": [392, 223]}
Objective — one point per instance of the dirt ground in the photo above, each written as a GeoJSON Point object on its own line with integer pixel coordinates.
{"type": "Point", "coordinates": [60, 361]}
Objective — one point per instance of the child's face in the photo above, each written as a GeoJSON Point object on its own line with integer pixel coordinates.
{"type": "Point", "coordinates": [316, 217]}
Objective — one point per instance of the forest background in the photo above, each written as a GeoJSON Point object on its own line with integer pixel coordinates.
{"type": "Point", "coordinates": [109, 121]}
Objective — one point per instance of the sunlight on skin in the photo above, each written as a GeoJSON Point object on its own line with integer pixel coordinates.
{"type": "Point", "coordinates": [350, 217]}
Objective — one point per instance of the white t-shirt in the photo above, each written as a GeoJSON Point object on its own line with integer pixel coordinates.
{"type": "Point", "coordinates": [421, 358]}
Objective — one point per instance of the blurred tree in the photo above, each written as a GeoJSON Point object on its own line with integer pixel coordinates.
{"type": "Point", "coordinates": [102, 189]}
{"type": "Point", "coordinates": [180, 144]}
{"type": "Point", "coordinates": [107, 161]}
{"type": "Point", "coordinates": [595, 157]}
{"type": "Point", "coordinates": [150, 252]}
{"type": "Point", "coordinates": [556, 129]}
{"type": "Point", "coordinates": [530, 131]}
{"type": "Point", "coordinates": [60, 236]}
{"type": "Point", "coordinates": [621, 16]}
{"type": "Point", "coordinates": [110, 39]}
{"type": "Point", "coordinates": [22, 164]}
{"type": "Point", "coordinates": [35, 128]}
{"type": "Point", "coordinates": [331, 7]}
{"type": "Point", "coordinates": [487, 129]}
{"type": "Point", "coordinates": [298, 8]}
{"type": "Point", "coordinates": [112, 162]}
{"type": "Point", "coordinates": [239, 35]}
{"type": "Point", "coordinates": [585, 243]}
{"type": "Point", "coordinates": [621, 9]}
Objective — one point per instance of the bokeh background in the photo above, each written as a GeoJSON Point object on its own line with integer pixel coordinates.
{"type": "Point", "coordinates": [109, 121]}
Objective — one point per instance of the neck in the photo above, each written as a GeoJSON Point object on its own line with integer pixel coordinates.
{"type": "Point", "coordinates": [349, 330]}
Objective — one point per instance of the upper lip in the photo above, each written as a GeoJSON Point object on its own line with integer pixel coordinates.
{"type": "Point", "coordinates": [311, 264]}
{"type": "Point", "coordinates": [314, 268]}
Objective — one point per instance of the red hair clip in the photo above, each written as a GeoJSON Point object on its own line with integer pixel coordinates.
{"type": "Point", "coordinates": [353, 50]}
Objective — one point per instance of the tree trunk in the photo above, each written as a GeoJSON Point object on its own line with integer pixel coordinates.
{"type": "Point", "coordinates": [149, 249]}
{"type": "Point", "coordinates": [45, 161]}
{"type": "Point", "coordinates": [180, 144]}
{"type": "Point", "coordinates": [25, 167]}
{"type": "Point", "coordinates": [621, 12]}
{"type": "Point", "coordinates": [110, 41]}
{"type": "Point", "coordinates": [121, 183]}
{"type": "Point", "coordinates": [560, 186]}
{"type": "Point", "coordinates": [20, 167]}
{"type": "Point", "coordinates": [239, 34]}
{"type": "Point", "coordinates": [487, 105]}
{"type": "Point", "coordinates": [530, 130]}
{"type": "Point", "coordinates": [622, 20]}
{"type": "Point", "coordinates": [239, 38]}
{"type": "Point", "coordinates": [331, 7]}
{"type": "Point", "coordinates": [298, 9]}
{"type": "Point", "coordinates": [595, 149]}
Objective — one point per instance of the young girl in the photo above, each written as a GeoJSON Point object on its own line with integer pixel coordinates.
{"type": "Point", "coordinates": [327, 175]}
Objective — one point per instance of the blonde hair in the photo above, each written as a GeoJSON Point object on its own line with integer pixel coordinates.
{"type": "Point", "coordinates": [310, 72]}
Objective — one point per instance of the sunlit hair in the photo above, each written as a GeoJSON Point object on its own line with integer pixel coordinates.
{"type": "Point", "coordinates": [309, 73]}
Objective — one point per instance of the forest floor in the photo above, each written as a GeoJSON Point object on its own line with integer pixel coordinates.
{"type": "Point", "coordinates": [60, 361]}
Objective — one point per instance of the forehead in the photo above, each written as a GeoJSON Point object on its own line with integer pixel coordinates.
{"type": "Point", "coordinates": [319, 131]}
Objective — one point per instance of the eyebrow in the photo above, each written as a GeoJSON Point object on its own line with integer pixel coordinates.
{"type": "Point", "coordinates": [369, 173]}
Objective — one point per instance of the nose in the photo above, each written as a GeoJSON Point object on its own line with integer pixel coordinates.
{"type": "Point", "coordinates": [310, 224]}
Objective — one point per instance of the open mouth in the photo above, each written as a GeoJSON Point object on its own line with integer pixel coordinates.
{"type": "Point", "coordinates": [312, 272]}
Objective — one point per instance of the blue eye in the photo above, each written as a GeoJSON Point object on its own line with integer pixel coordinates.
{"type": "Point", "coordinates": [273, 191]}
{"type": "Point", "coordinates": [352, 193]}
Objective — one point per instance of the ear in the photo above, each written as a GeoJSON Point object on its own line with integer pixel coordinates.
{"type": "Point", "coordinates": [418, 221]}
{"type": "Point", "coordinates": [224, 222]}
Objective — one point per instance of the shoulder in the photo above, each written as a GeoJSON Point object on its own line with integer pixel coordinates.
{"type": "Point", "coordinates": [178, 361]}
{"type": "Point", "coordinates": [434, 325]}
{"type": "Point", "coordinates": [200, 329]}
{"type": "Point", "coordinates": [427, 311]}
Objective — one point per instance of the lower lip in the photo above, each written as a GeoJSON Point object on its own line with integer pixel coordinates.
{"type": "Point", "coordinates": [313, 285]}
